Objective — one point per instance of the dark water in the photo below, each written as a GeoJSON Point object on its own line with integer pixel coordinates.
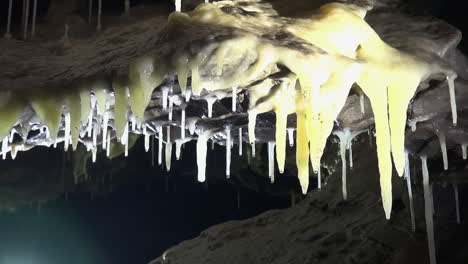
{"type": "Point", "coordinates": [127, 212]}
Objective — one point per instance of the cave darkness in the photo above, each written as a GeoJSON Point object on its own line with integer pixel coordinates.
{"type": "Point", "coordinates": [131, 210]}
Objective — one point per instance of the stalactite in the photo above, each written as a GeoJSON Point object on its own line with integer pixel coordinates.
{"type": "Point", "coordinates": [67, 135]}
{"type": "Point", "coordinates": [99, 26]}
{"type": "Point", "coordinates": [428, 205]}
{"type": "Point", "coordinates": [171, 108]}
{"type": "Point", "coordinates": [178, 5]}
{"type": "Point", "coordinates": [271, 161]}
{"type": "Point", "coordinates": [453, 103]}
{"type": "Point", "coordinates": [8, 28]}
{"type": "Point", "coordinates": [251, 127]}
{"type": "Point", "coordinates": [350, 147]}
{"type": "Point", "coordinates": [33, 26]}
{"type": "Point", "coordinates": [344, 137]}
{"type": "Point", "coordinates": [457, 202]}
{"type": "Point", "coordinates": [443, 148]}
{"type": "Point", "coordinates": [210, 101]}
{"type": "Point", "coordinates": [153, 138]}
{"type": "Point", "coordinates": [105, 125]}
{"type": "Point", "coordinates": [160, 145]}
{"type": "Point", "coordinates": [464, 147]}
{"type": "Point", "coordinates": [319, 178]}
{"type": "Point", "coordinates": [4, 147]}
{"type": "Point", "coordinates": [410, 192]}
{"type": "Point", "coordinates": [228, 152]}
{"type": "Point", "coordinates": [182, 124]}
{"type": "Point", "coordinates": [147, 139]}
{"type": "Point", "coordinates": [234, 98]}
{"type": "Point", "coordinates": [291, 136]}
{"type": "Point", "coordinates": [178, 149]}
{"type": "Point", "coordinates": [201, 154]}
{"type": "Point", "coordinates": [252, 145]}
{"type": "Point", "coordinates": [108, 145]}
{"type": "Point", "coordinates": [168, 149]}
{"type": "Point", "coordinates": [26, 18]}
{"type": "Point", "coordinates": [124, 139]}
{"type": "Point", "coordinates": [240, 141]}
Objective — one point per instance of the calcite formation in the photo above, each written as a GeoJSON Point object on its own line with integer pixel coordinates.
{"type": "Point", "coordinates": [290, 66]}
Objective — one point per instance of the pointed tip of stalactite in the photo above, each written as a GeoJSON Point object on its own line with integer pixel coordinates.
{"type": "Point", "coordinates": [304, 188]}
{"type": "Point", "coordinates": [387, 205]}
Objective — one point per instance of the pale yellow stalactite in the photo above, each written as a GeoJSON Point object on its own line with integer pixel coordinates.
{"type": "Point", "coordinates": [49, 110]}
{"type": "Point", "coordinates": [9, 114]}
{"type": "Point", "coordinates": [120, 108]}
{"type": "Point", "coordinates": [182, 72]}
{"type": "Point", "coordinates": [400, 92]}
{"type": "Point", "coordinates": [144, 77]}
{"type": "Point", "coordinates": [374, 87]}
{"type": "Point", "coordinates": [100, 92]}
{"type": "Point", "coordinates": [302, 152]}
{"type": "Point", "coordinates": [280, 134]}
{"type": "Point", "coordinates": [85, 101]}
{"type": "Point", "coordinates": [251, 125]}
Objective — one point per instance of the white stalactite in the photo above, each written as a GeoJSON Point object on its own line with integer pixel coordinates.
{"type": "Point", "coordinates": [33, 26]}
{"type": "Point", "coordinates": [147, 139]}
{"type": "Point", "coordinates": [443, 148]}
{"type": "Point", "coordinates": [210, 101]}
{"type": "Point", "coordinates": [8, 28]}
{"type": "Point", "coordinates": [165, 93]}
{"type": "Point", "coordinates": [171, 108]}
{"type": "Point", "coordinates": [178, 149]}
{"type": "Point", "coordinates": [178, 5]}
{"type": "Point", "coordinates": [453, 102]}
{"type": "Point", "coordinates": [89, 128]}
{"type": "Point", "coordinates": [271, 161]}
{"type": "Point", "coordinates": [291, 136]}
{"type": "Point", "coordinates": [94, 153]}
{"type": "Point", "coordinates": [182, 124]}
{"type": "Point", "coordinates": [67, 137]}
{"type": "Point", "coordinates": [252, 122]}
{"type": "Point", "coordinates": [201, 154]}
{"type": "Point", "coordinates": [350, 147]}
{"type": "Point", "coordinates": [168, 149]}
{"type": "Point", "coordinates": [240, 141]}
{"type": "Point", "coordinates": [234, 98]}
{"type": "Point", "coordinates": [344, 137]}
{"type": "Point", "coordinates": [428, 205]}
{"type": "Point", "coordinates": [410, 192]}
{"type": "Point", "coordinates": [464, 150]}
{"type": "Point", "coordinates": [4, 147]}
{"type": "Point", "coordinates": [188, 94]}
{"type": "Point", "coordinates": [99, 26]}
{"type": "Point", "coordinates": [160, 145]}
{"type": "Point", "coordinates": [11, 135]}
{"type": "Point", "coordinates": [105, 124]}
{"type": "Point", "coordinates": [95, 134]}
{"type": "Point", "coordinates": [228, 152]}
{"type": "Point", "coordinates": [108, 145]}
{"type": "Point", "coordinates": [319, 178]}
{"type": "Point", "coordinates": [457, 202]}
